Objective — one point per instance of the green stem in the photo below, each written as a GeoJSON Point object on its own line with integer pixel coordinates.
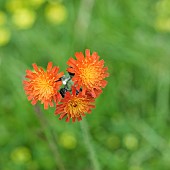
{"type": "Point", "coordinates": [50, 137]}
{"type": "Point", "coordinates": [88, 142]}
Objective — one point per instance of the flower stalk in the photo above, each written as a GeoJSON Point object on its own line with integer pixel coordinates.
{"type": "Point", "coordinates": [90, 148]}
{"type": "Point", "coordinates": [51, 137]}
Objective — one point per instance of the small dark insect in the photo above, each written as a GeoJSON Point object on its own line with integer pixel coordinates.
{"type": "Point", "coordinates": [63, 91]}
{"type": "Point", "coordinates": [71, 74]}
{"type": "Point", "coordinates": [78, 91]}
{"type": "Point", "coordinates": [58, 80]}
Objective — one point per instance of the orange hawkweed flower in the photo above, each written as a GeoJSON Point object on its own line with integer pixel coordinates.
{"type": "Point", "coordinates": [89, 72]}
{"type": "Point", "coordinates": [74, 106]}
{"type": "Point", "coordinates": [43, 85]}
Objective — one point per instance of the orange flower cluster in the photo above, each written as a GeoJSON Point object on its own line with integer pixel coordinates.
{"type": "Point", "coordinates": [74, 94]}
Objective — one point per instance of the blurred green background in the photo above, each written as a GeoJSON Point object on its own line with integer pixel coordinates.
{"type": "Point", "coordinates": [130, 126]}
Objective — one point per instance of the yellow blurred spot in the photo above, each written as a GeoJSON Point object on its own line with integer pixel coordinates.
{"type": "Point", "coordinates": [21, 155]}
{"type": "Point", "coordinates": [5, 36]}
{"type": "Point", "coordinates": [3, 18]}
{"type": "Point", "coordinates": [67, 140]}
{"type": "Point", "coordinates": [13, 5]}
{"type": "Point", "coordinates": [36, 3]}
{"type": "Point", "coordinates": [56, 13]}
{"type": "Point", "coordinates": [163, 7]}
{"type": "Point", "coordinates": [130, 141]}
{"type": "Point", "coordinates": [163, 24]}
{"type": "Point", "coordinates": [24, 18]}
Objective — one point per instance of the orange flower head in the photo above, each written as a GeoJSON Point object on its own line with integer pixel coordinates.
{"type": "Point", "coordinates": [89, 72]}
{"type": "Point", "coordinates": [74, 105]}
{"type": "Point", "coordinates": [43, 85]}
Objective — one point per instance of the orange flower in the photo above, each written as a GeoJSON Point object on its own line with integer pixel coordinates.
{"type": "Point", "coordinates": [89, 72]}
{"type": "Point", "coordinates": [43, 85]}
{"type": "Point", "coordinates": [74, 106]}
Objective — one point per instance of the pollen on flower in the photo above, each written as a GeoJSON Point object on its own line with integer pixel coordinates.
{"type": "Point", "coordinates": [74, 106]}
{"type": "Point", "coordinates": [89, 72]}
{"type": "Point", "coordinates": [43, 85]}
